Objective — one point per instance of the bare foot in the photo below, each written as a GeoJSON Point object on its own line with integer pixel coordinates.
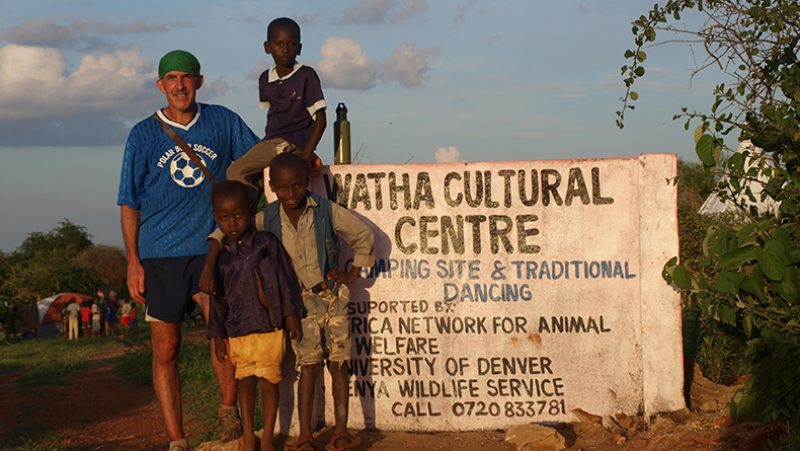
{"type": "Point", "coordinates": [266, 444]}
{"type": "Point", "coordinates": [249, 442]}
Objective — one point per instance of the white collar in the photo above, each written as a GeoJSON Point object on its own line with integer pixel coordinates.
{"type": "Point", "coordinates": [273, 72]}
{"type": "Point", "coordinates": [177, 125]}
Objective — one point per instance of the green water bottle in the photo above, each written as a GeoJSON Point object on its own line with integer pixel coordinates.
{"type": "Point", "coordinates": [341, 136]}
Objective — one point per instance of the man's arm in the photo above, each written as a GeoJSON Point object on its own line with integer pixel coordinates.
{"type": "Point", "coordinates": [130, 234]}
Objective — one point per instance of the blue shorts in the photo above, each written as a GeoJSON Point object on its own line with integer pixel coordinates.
{"type": "Point", "coordinates": [169, 284]}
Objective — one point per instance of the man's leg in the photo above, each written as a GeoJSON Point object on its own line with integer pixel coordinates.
{"type": "Point", "coordinates": [166, 340]}
{"type": "Point", "coordinates": [226, 378]}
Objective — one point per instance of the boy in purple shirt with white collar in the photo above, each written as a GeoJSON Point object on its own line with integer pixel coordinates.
{"type": "Point", "coordinates": [296, 118]}
{"type": "Point", "coordinates": [255, 300]}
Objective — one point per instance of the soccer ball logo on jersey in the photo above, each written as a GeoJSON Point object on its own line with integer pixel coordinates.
{"type": "Point", "coordinates": [184, 172]}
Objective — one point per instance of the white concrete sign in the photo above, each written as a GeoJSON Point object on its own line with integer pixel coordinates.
{"type": "Point", "coordinates": [509, 293]}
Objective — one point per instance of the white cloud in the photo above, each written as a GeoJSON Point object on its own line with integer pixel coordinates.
{"type": "Point", "coordinates": [218, 88]}
{"type": "Point", "coordinates": [308, 18]}
{"type": "Point", "coordinates": [255, 72]}
{"type": "Point", "coordinates": [35, 83]}
{"type": "Point", "coordinates": [461, 10]}
{"type": "Point", "coordinates": [410, 10]}
{"type": "Point", "coordinates": [407, 65]}
{"type": "Point", "coordinates": [345, 65]}
{"type": "Point", "coordinates": [376, 11]}
{"type": "Point", "coordinates": [447, 155]}
{"type": "Point", "coordinates": [495, 39]}
{"type": "Point", "coordinates": [87, 33]}
{"type": "Point", "coordinates": [367, 11]}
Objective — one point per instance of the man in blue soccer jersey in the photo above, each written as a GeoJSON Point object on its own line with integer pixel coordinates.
{"type": "Point", "coordinates": [165, 201]}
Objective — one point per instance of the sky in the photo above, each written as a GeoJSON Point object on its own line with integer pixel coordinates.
{"type": "Point", "coordinates": [424, 81]}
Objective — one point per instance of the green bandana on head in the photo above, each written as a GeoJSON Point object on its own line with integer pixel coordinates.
{"type": "Point", "coordinates": [179, 60]}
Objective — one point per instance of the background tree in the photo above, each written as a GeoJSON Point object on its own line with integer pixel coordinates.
{"type": "Point", "coordinates": [45, 264]}
{"type": "Point", "coordinates": [747, 275]}
{"type": "Point", "coordinates": [108, 262]}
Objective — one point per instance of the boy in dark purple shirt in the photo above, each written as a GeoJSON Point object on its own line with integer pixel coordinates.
{"type": "Point", "coordinates": [296, 117]}
{"type": "Point", "coordinates": [255, 300]}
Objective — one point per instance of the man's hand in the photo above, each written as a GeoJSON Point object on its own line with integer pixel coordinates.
{"type": "Point", "coordinates": [339, 276]}
{"type": "Point", "coordinates": [220, 349]}
{"type": "Point", "coordinates": [136, 280]}
{"type": "Point", "coordinates": [294, 327]}
{"type": "Point", "coordinates": [207, 282]}
{"type": "Point", "coordinates": [130, 233]}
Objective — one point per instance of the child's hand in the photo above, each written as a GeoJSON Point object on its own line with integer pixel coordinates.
{"type": "Point", "coordinates": [294, 327]}
{"type": "Point", "coordinates": [221, 349]}
{"type": "Point", "coordinates": [207, 282]}
{"type": "Point", "coordinates": [314, 166]}
{"type": "Point", "coordinates": [340, 276]}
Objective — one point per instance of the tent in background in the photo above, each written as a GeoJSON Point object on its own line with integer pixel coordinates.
{"type": "Point", "coordinates": [50, 312]}
{"type": "Point", "coordinates": [713, 203]}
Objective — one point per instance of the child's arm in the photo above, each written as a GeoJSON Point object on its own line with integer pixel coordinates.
{"type": "Point", "coordinates": [207, 282]}
{"type": "Point", "coordinates": [320, 122]}
{"type": "Point", "coordinates": [359, 237]}
{"type": "Point", "coordinates": [217, 314]}
{"type": "Point", "coordinates": [294, 327]}
{"type": "Point", "coordinates": [346, 278]}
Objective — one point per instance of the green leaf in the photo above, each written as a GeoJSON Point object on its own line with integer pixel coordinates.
{"type": "Point", "coordinates": [629, 53]}
{"type": "Point", "coordinates": [772, 260]}
{"type": "Point", "coordinates": [634, 95]}
{"type": "Point", "coordinates": [788, 286]}
{"type": "Point", "coordinates": [639, 71]}
{"type": "Point", "coordinates": [754, 283]}
{"type": "Point", "coordinates": [736, 162]}
{"type": "Point", "coordinates": [728, 282]}
{"type": "Point", "coordinates": [698, 133]}
{"type": "Point", "coordinates": [641, 56]}
{"type": "Point", "coordinates": [681, 277]}
{"type": "Point", "coordinates": [734, 258]}
{"type": "Point", "coordinates": [705, 149]}
{"type": "Point", "coordinates": [669, 267]}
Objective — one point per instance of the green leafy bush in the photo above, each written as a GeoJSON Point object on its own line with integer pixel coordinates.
{"type": "Point", "coordinates": [746, 276]}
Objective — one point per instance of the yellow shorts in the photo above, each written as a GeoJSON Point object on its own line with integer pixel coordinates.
{"type": "Point", "coordinates": [258, 355]}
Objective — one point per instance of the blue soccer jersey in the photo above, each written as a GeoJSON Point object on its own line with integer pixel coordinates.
{"type": "Point", "coordinates": [169, 191]}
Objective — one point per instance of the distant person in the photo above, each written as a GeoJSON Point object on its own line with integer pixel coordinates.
{"type": "Point", "coordinates": [74, 310]}
{"type": "Point", "coordinates": [256, 299]}
{"type": "Point", "coordinates": [109, 318]}
{"type": "Point", "coordinates": [125, 322]}
{"type": "Point", "coordinates": [296, 117]}
{"type": "Point", "coordinates": [164, 201]}
{"type": "Point", "coordinates": [134, 315]}
{"type": "Point", "coordinates": [112, 298]}
{"type": "Point", "coordinates": [86, 319]}
{"type": "Point", "coordinates": [65, 320]}
{"type": "Point", "coordinates": [309, 225]}
{"type": "Point", "coordinates": [96, 318]}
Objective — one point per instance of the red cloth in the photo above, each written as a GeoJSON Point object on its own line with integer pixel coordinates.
{"type": "Point", "coordinates": [86, 314]}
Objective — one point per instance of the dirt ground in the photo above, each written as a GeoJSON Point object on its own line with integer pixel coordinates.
{"type": "Point", "coordinates": [116, 416]}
